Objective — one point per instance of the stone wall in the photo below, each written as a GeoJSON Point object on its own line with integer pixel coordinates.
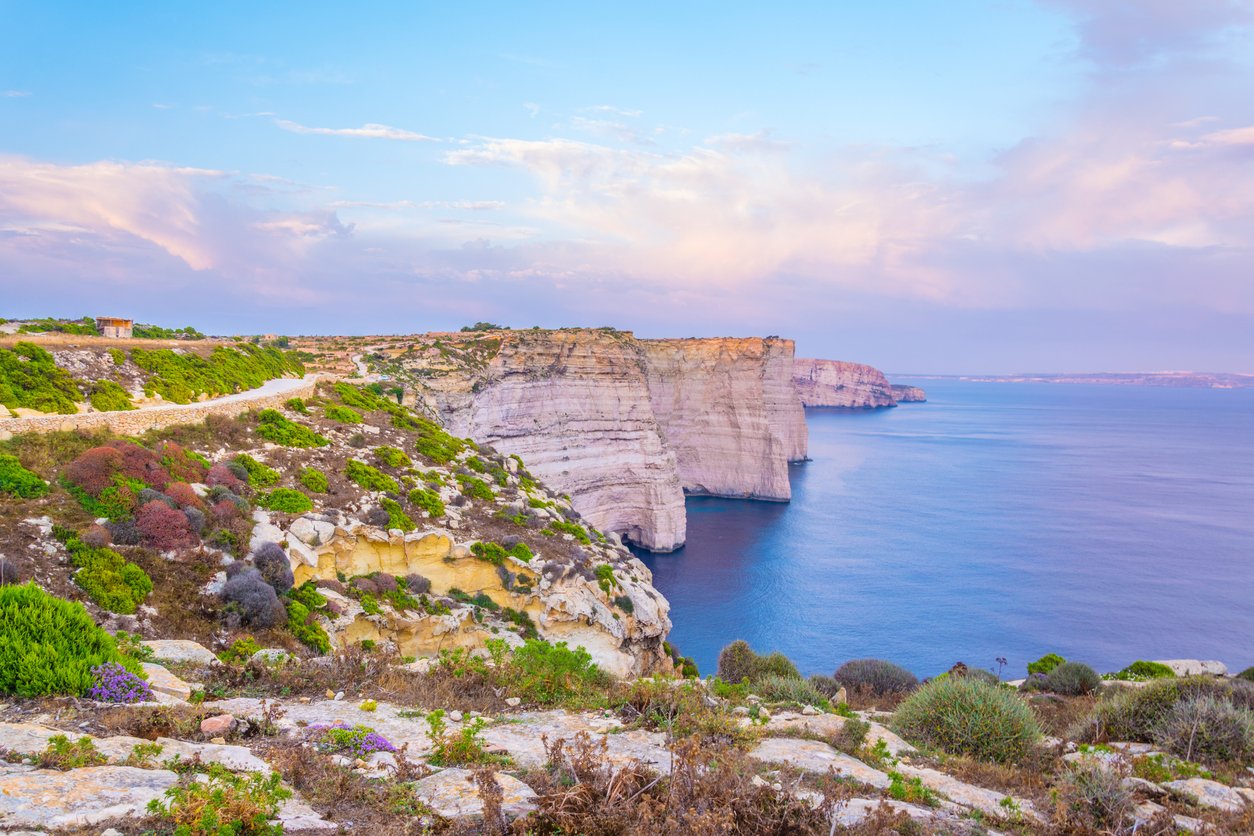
{"type": "Point", "coordinates": [138, 421]}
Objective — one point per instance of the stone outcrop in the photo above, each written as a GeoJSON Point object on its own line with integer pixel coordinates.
{"type": "Point", "coordinates": [836, 383]}
{"type": "Point", "coordinates": [908, 394]}
{"type": "Point", "coordinates": [624, 426]}
{"type": "Point", "coordinates": [565, 604]}
{"type": "Point", "coordinates": [728, 410]}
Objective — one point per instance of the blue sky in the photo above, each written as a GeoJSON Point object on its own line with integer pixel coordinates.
{"type": "Point", "coordinates": [967, 186]}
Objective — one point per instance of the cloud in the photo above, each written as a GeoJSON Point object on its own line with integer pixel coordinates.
{"type": "Point", "coordinates": [1127, 33]}
{"type": "Point", "coordinates": [14, 94]}
{"type": "Point", "coordinates": [616, 111]}
{"type": "Point", "coordinates": [370, 130]}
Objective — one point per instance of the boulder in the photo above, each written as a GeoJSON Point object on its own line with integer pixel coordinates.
{"type": "Point", "coordinates": [164, 682]}
{"type": "Point", "coordinates": [1206, 793]}
{"type": "Point", "coordinates": [452, 793]}
{"type": "Point", "coordinates": [1195, 667]}
{"type": "Point", "coordinates": [47, 798]}
{"type": "Point", "coordinates": [816, 756]}
{"type": "Point", "coordinates": [181, 651]}
{"type": "Point", "coordinates": [218, 726]}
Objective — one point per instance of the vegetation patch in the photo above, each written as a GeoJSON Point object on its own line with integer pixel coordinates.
{"type": "Point", "coordinates": [342, 414]}
{"type": "Point", "coordinates": [182, 377]}
{"type": "Point", "coordinates": [285, 500]}
{"type": "Point", "coordinates": [16, 480]}
{"type": "Point", "coordinates": [49, 645]}
{"type": "Point", "coordinates": [107, 396]}
{"type": "Point", "coordinates": [274, 426]}
{"type": "Point", "coordinates": [31, 379]}
{"type": "Point", "coordinates": [219, 802]}
{"type": "Point", "coordinates": [427, 500]}
{"type": "Point", "coordinates": [259, 475]}
{"type": "Point", "coordinates": [475, 488]}
{"type": "Point", "coordinates": [968, 716]}
{"type": "Point", "coordinates": [392, 456]}
{"type": "Point", "coordinates": [313, 480]}
{"type": "Point", "coordinates": [369, 478]}
{"type": "Point", "coordinates": [108, 579]}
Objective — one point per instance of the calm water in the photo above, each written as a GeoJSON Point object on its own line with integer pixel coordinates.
{"type": "Point", "coordinates": [1104, 523]}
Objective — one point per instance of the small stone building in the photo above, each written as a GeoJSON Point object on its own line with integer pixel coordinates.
{"type": "Point", "coordinates": [112, 326]}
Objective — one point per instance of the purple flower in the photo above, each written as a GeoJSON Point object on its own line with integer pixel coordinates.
{"type": "Point", "coordinates": [114, 683]}
{"type": "Point", "coordinates": [358, 740]}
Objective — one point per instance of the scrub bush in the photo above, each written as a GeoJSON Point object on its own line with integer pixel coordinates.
{"type": "Point", "coordinates": [313, 480]}
{"type": "Point", "coordinates": [965, 716]}
{"type": "Point", "coordinates": [285, 500]}
{"type": "Point", "coordinates": [107, 396]}
{"type": "Point", "coordinates": [1090, 798]}
{"type": "Point", "coordinates": [397, 518]}
{"type": "Point", "coordinates": [184, 495]}
{"type": "Point", "coordinates": [777, 688]}
{"type": "Point", "coordinates": [1072, 679]}
{"type": "Point", "coordinates": [107, 578]}
{"type": "Point", "coordinates": [370, 478]}
{"type": "Point", "coordinates": [49, 646]}
{"type": "Point", "coordinates": [164, 528]}
{"type": "Point", "coordinates": [31, 379]}
{"type": "Point", "coordinates": [342, 414]}
{"type": "Point", "coordinates": [301, 622]}
{"type": "Point", "coordinates": [1045, 664]}
{"type": "Point", "coordinates": [1207, 728]}
{"type": "Point", "coordinates": [392, 457]}
{"type": "Point", "coordinates": [1141, 670]}
{"type": "Point", "coordinates": [16, 480]}
{"type": "Point", "coordinates": [254, 599]}
{"type": "Point", "coordinates": [275, 566]}
{"type": "Point", "coordinates": [222, 803]}
{"type": "Point", "coordinates": [427, 500]}
{"type": "Point", "coordinates": [184, 377]}
{"type": "Point", "coordinates": [738, 662]}
{"type": "Point", "coordinates": [258, 475]}
{"type": "Point", "coordinates": [221, 475]}
{"type": "Point", "coordinates": [274, 426]}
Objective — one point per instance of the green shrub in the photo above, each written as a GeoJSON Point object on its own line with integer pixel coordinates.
{"type": "Point", "coordinates": [1072, 679]}
{"type": "Point", "coordinates": [144, 331]}
{"type": "Point", "coordinates": [63, 754]}
{"type": "Point", "coordinates": [489, 551]}
{"type": "Point", "coordinates": [1045, 664]}
{"type": "Point", "coordinates": [85, 327]}
{"type": "Point", "coordinates": [370, 478]}
{"type": "Point", "coordinates": [877, 677]}
{"type": "Point", "coordinates": [964, 716]}
{"type": "Point", "coordinates": [259, 475]}
{"type": "Point", "coordinates": [185, 377]}
{"type": "Point", "coordinates": [49, 646]}
{"type": "Point", "coordinates": [296, 405]}
{"type": "Point", "coordinates": [397, 518]}
{"type": "Point", "coordinates": [108, 579]}
{"type": "Point", "coordinates": [436, 444]}
{"type": "Point", "coordinates": [774, 687]}
{"type": "Point", "coordinates": [564, 527]}
{"type": "Point", "coordinates": [1141, 670]}
{"type": "Point", "coordinates": [427, 500]}
{"type": "Point", "coordinates": [392, 456]}
{"type": "Point", "coordinates": [605, 577]}
{"type": "Point", "coordinates": [222, 803]}
{"type": "Point", "coordinates": [461, 748]}
{"type": "Point", "coordinates": [275, 426]}
{"type": "Point", "coordinates": [313, 480]}
{"type": "Point", "coordinates": [550, 673]}
{"type": "Point", "coordinates": [118, 355]}
{"type": "Point", "coordinates": [1091, 798]}
{"type": "Point", "coordinates": [285, 500]}
{"type": "Point", "coordinates": [737, 662]}
{"type": "Point", "coordinates": [1207, 728]}
{"type": "Point", "coordinates": [31, 379]}
{"type": "Point", "coordinates": [16, 480]}
{"type": "Point", "coordinates": [523, 552]}
{"type": "Point", "coordinates": [342, 414]}
{"type": "Point", "coordinates": [475, 488]}
{"type": "Point", "coordinates": [107, 396]}
{"type": "Point", "coordinates": [1247, 674]}
{"type": "Point", "coordinates": [303, 625]}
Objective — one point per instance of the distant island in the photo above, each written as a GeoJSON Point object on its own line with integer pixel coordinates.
{"type": "Point", "coordinates": [1192, 380]}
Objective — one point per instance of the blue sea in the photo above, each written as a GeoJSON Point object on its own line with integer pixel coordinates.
{"type": "Point", "coordinates": [1104, 523]}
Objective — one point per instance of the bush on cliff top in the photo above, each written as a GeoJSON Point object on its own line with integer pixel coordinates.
{"type": "Point", "coordinates": [876, 677]}
{"type": "Point", "coordinates": [1141, 670]}
{"type": "Point", "coordinates": [184, 377]}
{"type": "Point", "coordinates": [31, 379]}
{"type": "Point", "coordinates": [274, 426]}
{"type": "Point", "coordinates": [968, 716]}
{"type": "Point", "coordinates": [16, 480]}
{"type": "Point", "coordinates": [1045, 664]}
{"type": "Point", "coordinates": [49, 646]}
{"type": "Point", "coordinates": [737, 662]}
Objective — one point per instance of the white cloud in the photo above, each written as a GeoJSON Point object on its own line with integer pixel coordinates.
{"type": "Point", "coordinates": [14, 94]}
{"type": "Point", "coordinates": [370, 130]}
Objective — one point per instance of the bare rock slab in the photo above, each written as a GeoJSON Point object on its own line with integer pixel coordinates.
{"type": "Point", "coordinates": [816, 756]}
{"type": "Point", "coordinates": [78, 798]}
{"type": "Point", "coordinates": [181, 651]}
{"type": "Point", "coordinates": [454, 795]}
{"type": "Point", "coordinates": [164, 682]}
{"type": "Point", "coordinates": [1207, 793]}
{"type": "Point", "coordinates": [987, 801]}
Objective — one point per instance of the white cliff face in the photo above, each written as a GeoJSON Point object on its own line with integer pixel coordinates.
{"type": "Point", "coordinates": [575, 406]}
{"type": "Point", "coordinates": [840, 384]}
{"type": "Point", "coordinates": [624, 426]}
{"type": "Point", "coordinates": [725, 408]}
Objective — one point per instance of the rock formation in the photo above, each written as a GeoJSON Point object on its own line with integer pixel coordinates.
{"type": "Point", "coordinates": [623, 425]}
{"type": "Point", "coordinates": [835, 383]}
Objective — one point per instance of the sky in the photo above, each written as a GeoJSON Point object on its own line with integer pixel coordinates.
{"type": "Point", "coordinates": [974, 186]}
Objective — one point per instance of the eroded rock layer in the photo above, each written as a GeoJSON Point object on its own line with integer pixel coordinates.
{"type": "Point", "coordinates": [623, 425]}
{"type": "Point", "coordinates": [836, 383]}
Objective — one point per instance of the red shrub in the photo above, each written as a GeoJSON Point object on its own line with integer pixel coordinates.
{"type": "Point", "coordinates": [96, 536]}
{"type": "Point", "coordinates": [181, 466]}
{"type": "Point", "coordinates": [220, 474]}
{"type": "Point", "coordinates": [184, 494]}
{"type": "Point", "coordinates": [164, 528]}
{"type": "Point", "coordinates": [93, 471]}
{"type": "Point", "coordinates": [141, 463]}
{"type": "Point", "coordinates": [225, 509]}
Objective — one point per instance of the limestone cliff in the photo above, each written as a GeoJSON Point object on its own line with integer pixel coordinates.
{"type": "Point", "coordinates": [837, 383]}
{"type": "Point", "coordinates": [727, 409]}
{"type": "Point", "coordinates": [622, 425]}
{"type": "Point", "coordinates": [909, 394]}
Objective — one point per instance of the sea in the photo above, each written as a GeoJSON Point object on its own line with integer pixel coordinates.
{"type": "Point", "coordinates": [993, 524]}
